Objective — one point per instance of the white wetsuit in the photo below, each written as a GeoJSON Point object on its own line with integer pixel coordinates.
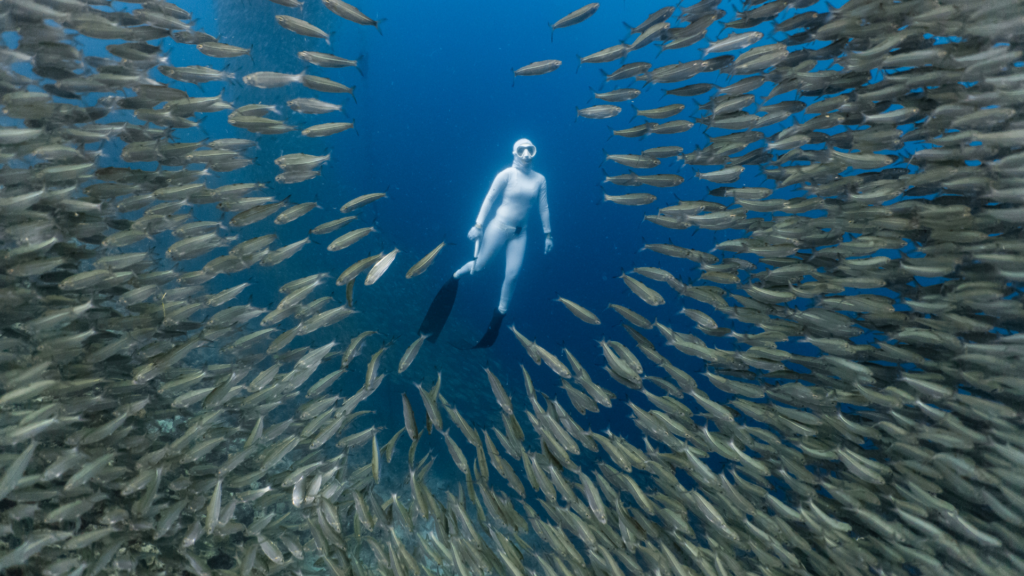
{"type": "Point", "coordinates": [518, 185]}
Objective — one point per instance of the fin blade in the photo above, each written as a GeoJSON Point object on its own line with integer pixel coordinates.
{"type": "Point", "coordinates": [440, 309]}
{"type": "Point", "coordinates": [492, 331]}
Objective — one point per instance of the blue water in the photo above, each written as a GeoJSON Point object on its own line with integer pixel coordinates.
{"type": "Point", "coordinates": [444, 117]}
{"type": "Point", "coordinates": [436, 114]}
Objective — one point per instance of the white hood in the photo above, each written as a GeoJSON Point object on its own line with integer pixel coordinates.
{"type": "Point", "coordinates": [523, 152]}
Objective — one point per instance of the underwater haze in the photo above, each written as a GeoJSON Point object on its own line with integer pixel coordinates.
{"type": "Point", "coordinates": [774, 327]}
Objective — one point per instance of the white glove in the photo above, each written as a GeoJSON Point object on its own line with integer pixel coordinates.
{"type": "Point", "coordinates": [474, 233]}
{"type": "Point", "coordinates": [548, 244]}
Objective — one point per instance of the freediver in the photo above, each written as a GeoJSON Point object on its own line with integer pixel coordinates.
{"type": "Point", "coordinates": [518, 185]}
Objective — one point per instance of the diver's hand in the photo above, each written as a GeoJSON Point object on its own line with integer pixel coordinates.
{"type": "Point", "coordinates": [474, 233]}
{"type": "Point", "coordinates": [548, 244]}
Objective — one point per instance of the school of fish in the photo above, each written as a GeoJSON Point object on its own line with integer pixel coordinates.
{"type": "Point", "coordinates": [872, 370]}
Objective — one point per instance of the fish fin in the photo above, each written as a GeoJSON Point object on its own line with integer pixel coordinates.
{"type": "Point", "coordinates": [359, 61]}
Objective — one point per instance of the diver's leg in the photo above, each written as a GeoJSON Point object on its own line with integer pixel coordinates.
{"type": "Point", "coordinates": [513, 263]}
{"type": "Point", "coordinates": [494, 236]}
{"type": "Point", "coordinates": [443, 302]}
{"type": "Point", "coordinates": [466, 269]}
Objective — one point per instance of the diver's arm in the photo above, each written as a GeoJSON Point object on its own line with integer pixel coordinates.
{"type": "Point", "coordinates": [500, 181]}
{"type": "Point", "coordinates": [545, 215]}
{"type": "Point", "coordinates": [542, 204]}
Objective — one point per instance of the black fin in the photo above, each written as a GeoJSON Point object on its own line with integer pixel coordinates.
{"type": "Point", "coordinates": [439, 309]}
{"type": "Point", "coordinates": [492, 331]}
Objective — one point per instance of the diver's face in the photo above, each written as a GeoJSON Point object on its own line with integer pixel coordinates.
{"type": "Point", "coordinates": [526, 152]}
